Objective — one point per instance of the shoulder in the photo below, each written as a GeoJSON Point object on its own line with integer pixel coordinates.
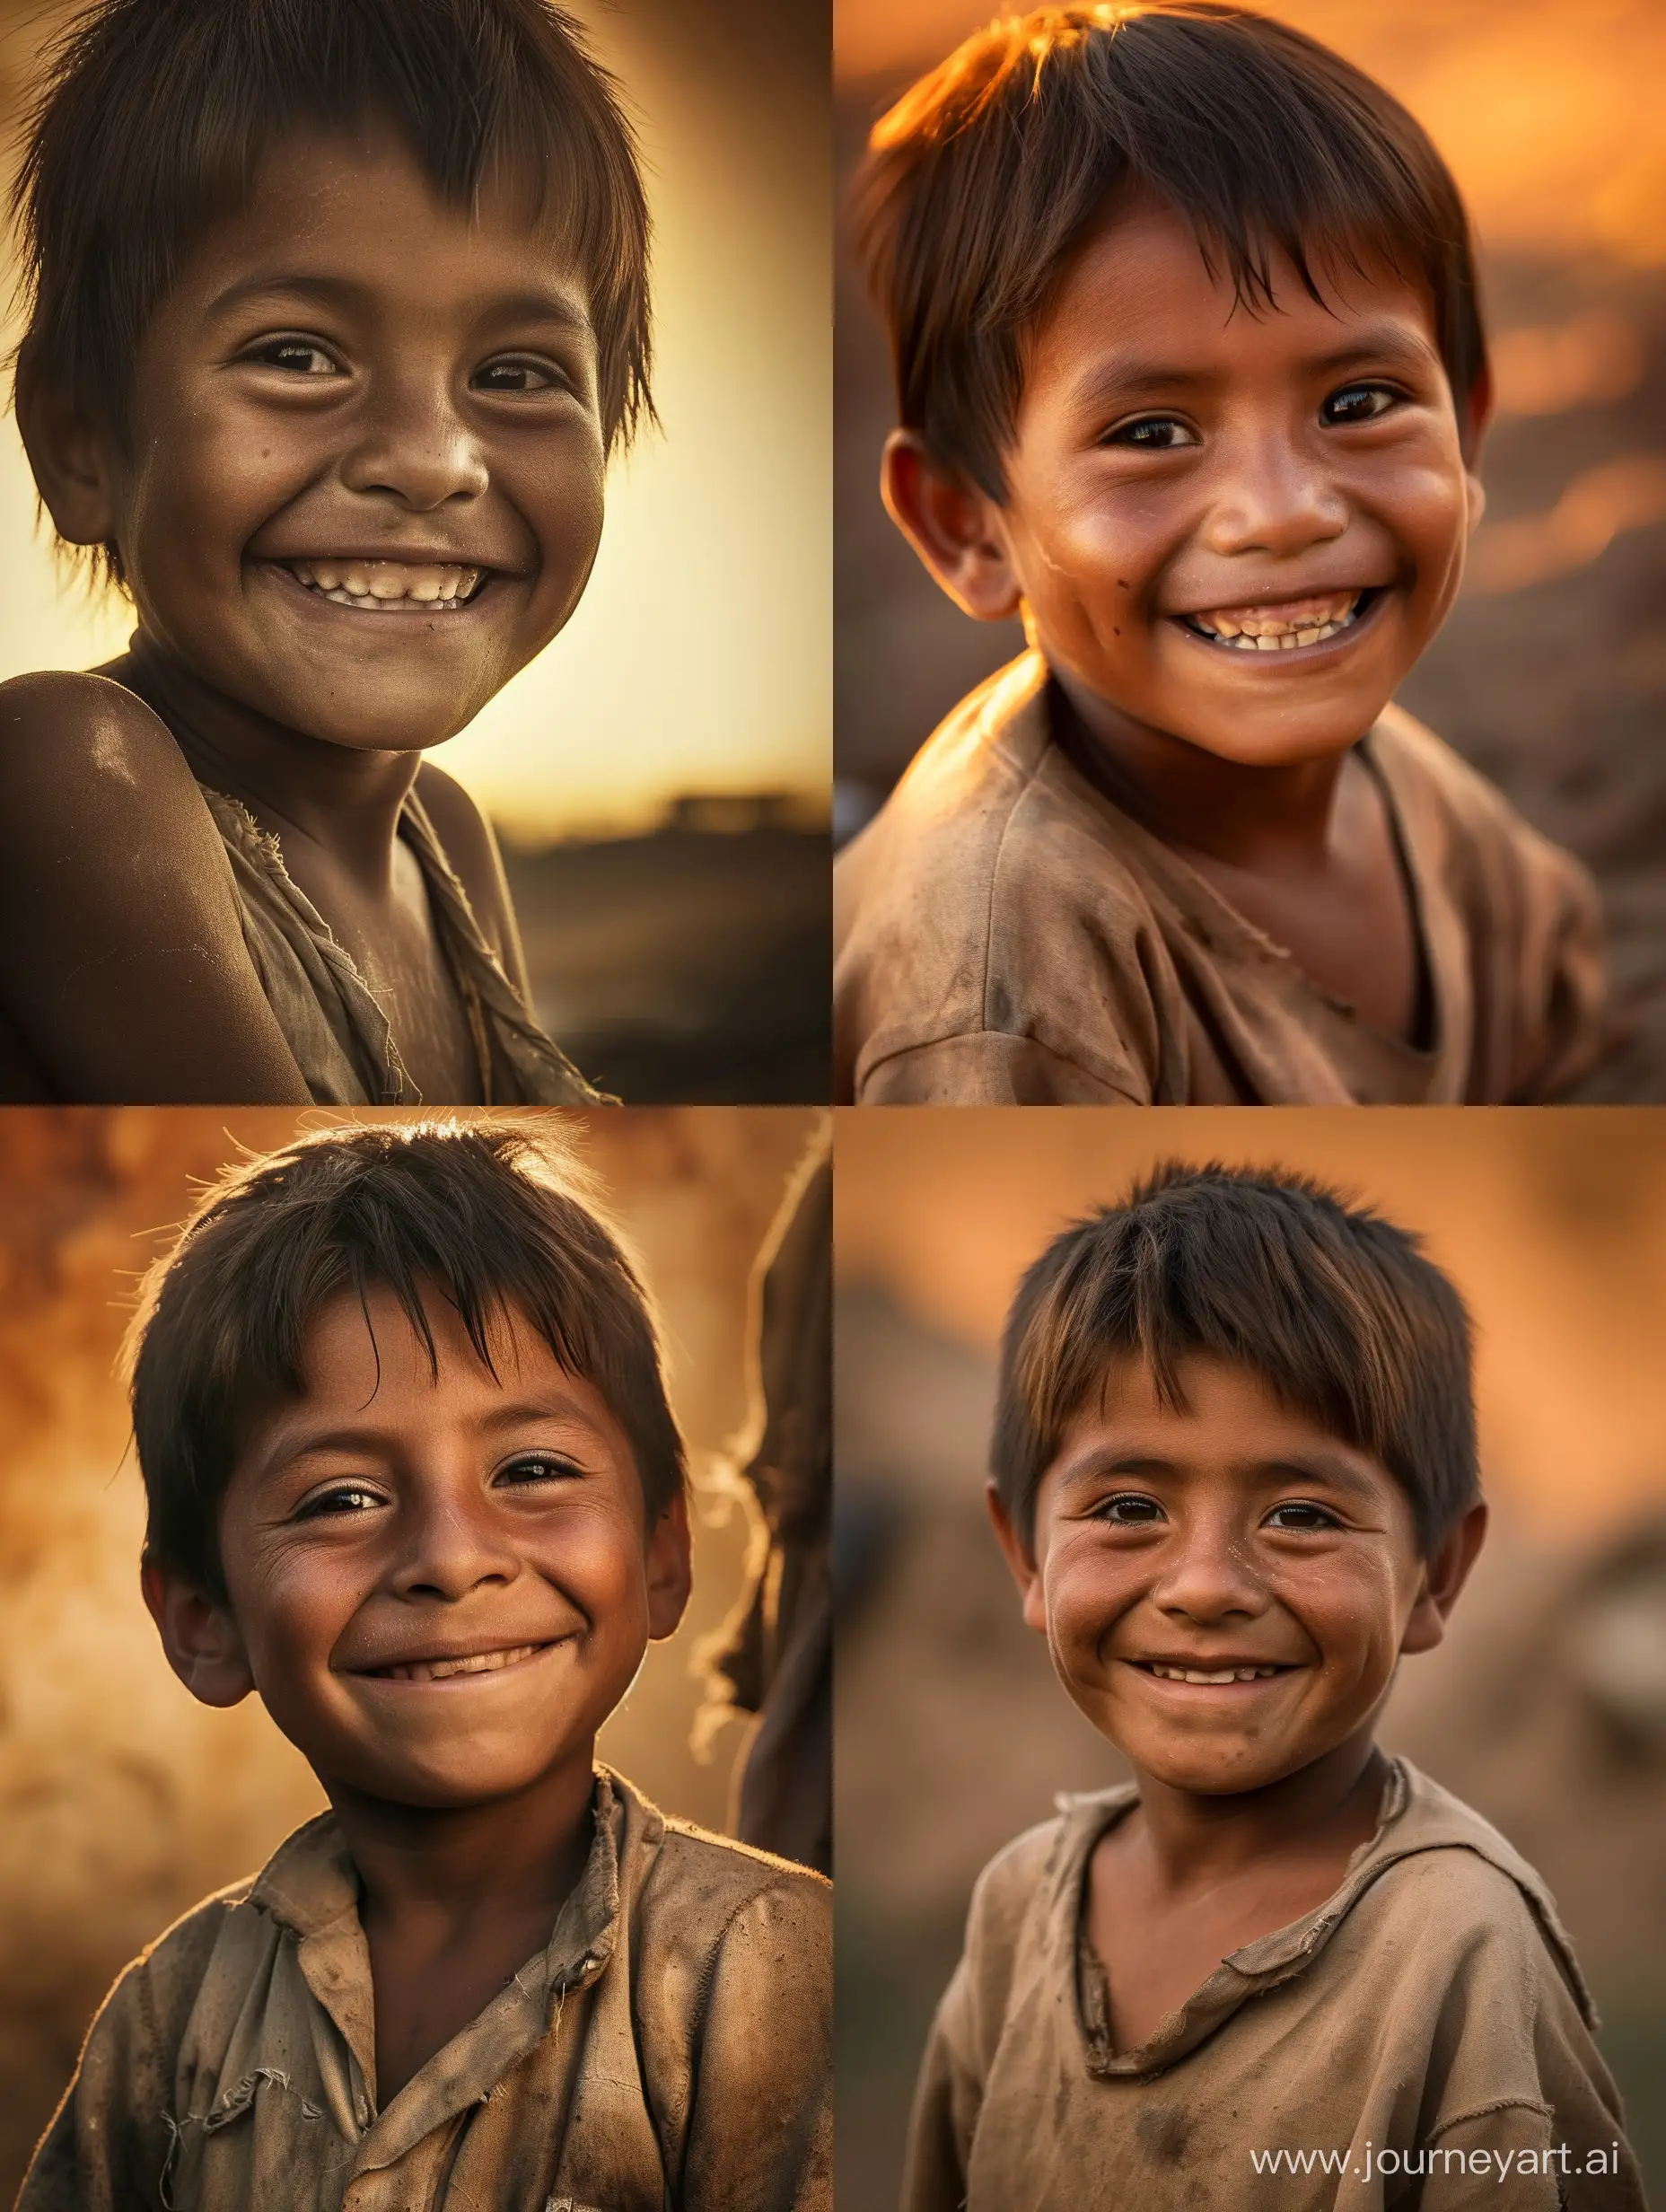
{"type": "Point", "coordinates": [1478, 822]}
{"type": "Point", "coordinates": [711, 1881]}
{"type": "Point", "coordinates": [65, 735]}
{"type": "Point", "coordinates": [1452, 1887]}
{"type": "Point", "coordinates": [467, 839]}
{"type": "Point", "coordinates": [1030, 1880]}
{"type": "Point", "coordinates": [153, 1997]}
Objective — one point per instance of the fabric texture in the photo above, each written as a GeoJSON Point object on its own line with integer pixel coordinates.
{"type": "Point", "coordinates": [335, 1028]}
{"type": "Point", "coordinates": [1005, 936]}
{"type": "Point", "coordinates": [668, 2052]}
{"type": "Point", "coordinates": [1431, 2006]}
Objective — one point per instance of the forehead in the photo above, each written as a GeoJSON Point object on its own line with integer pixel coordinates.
{"type": "Point", "coordinates": [1231, 1426]}
{"type": "Point", "coordinates": [357, 204]}
{"type": "Point", "coordinates": [1140, 300]}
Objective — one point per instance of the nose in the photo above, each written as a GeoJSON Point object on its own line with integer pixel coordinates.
{"type": "Point", "coordinates": [1210, 1575]}
{"type": "Point", "coordinates": [1275, 495]}
{"type": "Point", "coordinates": [415, 447]}
{"type": "Point", "coordinates": [451, 1543]}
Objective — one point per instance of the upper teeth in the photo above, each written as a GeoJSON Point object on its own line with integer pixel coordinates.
{"type": "Point", "coordinates": [1308, 623]}
{"type": "Point", "coordinates": [388, 584]}
{"type": "Point", "coordinates": [1220, 1674]}
{"type": "Point", "coordinates": [478, 1662]}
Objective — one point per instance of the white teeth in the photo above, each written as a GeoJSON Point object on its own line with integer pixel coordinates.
{"type": "Point", "coordinates": [478, 1662]}
{"type": "Point", "coordinates": [1220, 1675]}
{"type": "Point", "coordinates": [1272, 633]}
{"type": "Point", "coordinates": [388, 586]}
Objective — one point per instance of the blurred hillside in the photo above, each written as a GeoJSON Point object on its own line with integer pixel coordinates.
{"type": "Point", "coordinates": [689, 966]}
{"type": "Point", "coordinates": [1550, 674]}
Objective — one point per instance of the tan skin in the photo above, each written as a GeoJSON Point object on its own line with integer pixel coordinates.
{"type": "Point", "coordinates": [310, 388]}
{"type": "Point", "coordinates": [1176, 454]}
{"type": "Point", "coordinates": [391, 1516]}
{"type": "Point", "coordinates": [1230, 1531]}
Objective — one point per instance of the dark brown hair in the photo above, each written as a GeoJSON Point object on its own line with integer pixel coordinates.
{"type": "Point", "coordinates": [1335, 1309]}
{"type": "Point", "coordinates": [987, 175]}
{"type": "Point", "coordinates": [154, 115]}
{"type": "Point", "coordinates": [495, 1217]}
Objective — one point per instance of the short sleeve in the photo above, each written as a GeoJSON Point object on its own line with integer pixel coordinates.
{"type": "Point", "coordinates": [760, 2130]}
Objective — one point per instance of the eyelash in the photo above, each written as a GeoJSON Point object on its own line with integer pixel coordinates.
{"type": "Point", "coordinates": [1127, 434]}
{"type": "Point", "coordinates": [560, 1469]}
{"type": "Point", "coordinates": [1327, 1520]}
{"type": "Point", "coordinates": [268, 354]}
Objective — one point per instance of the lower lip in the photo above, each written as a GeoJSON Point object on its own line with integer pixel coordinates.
{"type": "Point", "coordinates": [1302, 656]}
{"type": "Point", "coordinates": [380, 610]}
{"type": "Point", "coordinates": [512, 1672]}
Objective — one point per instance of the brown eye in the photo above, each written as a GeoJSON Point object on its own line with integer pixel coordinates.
{"type": "Point", "coordinates": [1303, 1520]}
{"type": "Point", "coordinates": [1360, 403]}
{"type": "Point", "coordinates": [517, 377]}
{"type": "Point", "coordinates": [299, 355]}
{"type": "Point", "coordinates": [1129, 1510]}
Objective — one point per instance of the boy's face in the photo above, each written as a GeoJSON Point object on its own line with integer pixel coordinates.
{"type": "Point", "coordinates": [1234, 1540]}
{"type": "Point", "coordinates": [1183, 469]}
{"type": "Point", "coordinates": [440, 1584]}
{"type": "Point", "coordinates": [365, 477]}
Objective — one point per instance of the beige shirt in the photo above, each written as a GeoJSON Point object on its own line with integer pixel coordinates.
{"type": "Point", "coordinates": [1431, 2007]}
{"type": "Point", "coordinates": [330, 1018]}
{"type": "Point", "coordinates": [1005, 936]}
{"type": "Point", "coordinates": [670, 2048]}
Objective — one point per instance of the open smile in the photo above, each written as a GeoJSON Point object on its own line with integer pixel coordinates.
{"type": "Point", "coordinates": [1235, 1676]}
{"type": "Point", "coordinates": [469, 1665]}
{"type": "Point", "coordinates": [384, 587]}
{"type": "Point", "coordinates": [1273, 632]}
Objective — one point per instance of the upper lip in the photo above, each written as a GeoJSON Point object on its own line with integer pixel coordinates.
{"type": "Point", "coordinates": [403, 555]}
{"type": "Point", "coordinates": [433, 1654]}
{"type": "Point", "coordinates": [1209, 1664]}
{"type": "Point", "coordinates": [1280, 595]}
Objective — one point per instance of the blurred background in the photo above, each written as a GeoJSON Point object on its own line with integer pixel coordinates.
{"type": "Point", "coordinates": [122, 1801]}
{"type": "Point", "coordinates": [1545, 1708]}
{"type": "Point", "coordinates": [1550, 674]}
{"type": "Point", "coordinates": [660, 774]}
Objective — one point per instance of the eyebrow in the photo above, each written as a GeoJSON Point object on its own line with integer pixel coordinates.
{"type": "Point", "coordinates": [1331, 1469]}
{"type": "Point", "coordinates": [532, 305]}
{"type": "Point", "coordinates": [1123, 376]}
{"type": "Point", "coordinates": [367, 1435]}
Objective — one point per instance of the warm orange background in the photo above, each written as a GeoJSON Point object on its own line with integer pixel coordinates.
{"type": "Point", "coordinates": [122, 1802]}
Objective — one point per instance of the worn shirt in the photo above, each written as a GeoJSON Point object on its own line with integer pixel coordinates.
{"type": "Point", "coordinates": [328, 1014]}
{"type": "Point", "coordinates": [668, 2050]}
{"type": "Point", "coordinates": [1431, 2008]}
{"type": "Point", "coordinates": [1006, 936]}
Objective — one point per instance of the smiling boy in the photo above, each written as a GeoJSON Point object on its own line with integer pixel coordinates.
{"type": "Point", "coordinates": [335, 312]}
{"type": "Point", "coordinates": [414, 1479]}
{"type": "Point", "coordinates": [1192, 376]}
{"type": "Point", "coordinates": [1235, 1481]}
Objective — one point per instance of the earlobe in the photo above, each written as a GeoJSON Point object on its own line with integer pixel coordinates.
{"type": "Point", "coordinates": [954, 528]}
{"type": "Point", "coordinates": [670, 1570]}
{"type": "Point", "coordinates": [203, 1644]}
{"type": "Point", "coordinates": [69, 460]}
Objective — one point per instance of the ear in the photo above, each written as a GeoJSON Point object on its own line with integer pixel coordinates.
{"type": "Point", "coordinates": [670, 1569]}
{"type": "Point", "coordinates": [70, 459]}
{"type": "Point", "coordinates": [1477, 413]}
{"type": "Point", "coordinates": [957, 530]}
{"type": "Point", "coordinates": [203, 1644]}
{"type": "Point", "coordinates": [1443, 1577]}
{"type": "Point", "coordinates": [1024, 1569]}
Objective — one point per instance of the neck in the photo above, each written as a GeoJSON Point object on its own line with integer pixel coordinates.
{"type": "Point", "coordinates": [1199, 1840]}
{"type": "Point", "coordinates": [450, 1868]}
{"type": "Point", "coordinates": [343, 798]}
{"type": "Point", "coordinates": [1276, 819]}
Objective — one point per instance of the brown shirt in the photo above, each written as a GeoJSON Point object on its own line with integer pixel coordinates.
{"type": "Point", "coordinates": [1005, 936]}
{"type": "Point", "coordinates": [670, 2048]}
{"type": "Point", "coordinates": [1431, 2008]}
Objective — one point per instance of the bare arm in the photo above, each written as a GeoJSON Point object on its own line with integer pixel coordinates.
{"type": "Point", "coordinates": [123, 974]}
